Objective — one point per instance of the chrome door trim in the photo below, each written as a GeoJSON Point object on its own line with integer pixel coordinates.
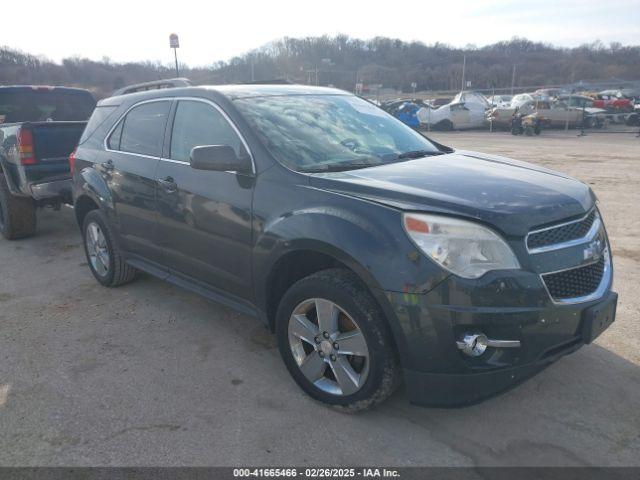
{"type": "Point", "coordinates": [171, 99]}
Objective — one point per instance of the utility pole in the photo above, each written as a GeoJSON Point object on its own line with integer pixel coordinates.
{"type": "Point", "coordinates": [464, 66]}
{"type": "Point", "coordinates": [253, 77]}
{"type": "Point", "coordinates": [175, 44]}
{"type": "Point", "coordinates": [513, 78]}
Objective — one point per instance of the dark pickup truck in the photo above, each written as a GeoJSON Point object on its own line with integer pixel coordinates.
{"type": "Point", "coordinates": [39, 128]}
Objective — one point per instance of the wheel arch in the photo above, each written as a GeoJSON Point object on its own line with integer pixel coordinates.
{"type": "Point", "coordinates": [310, 256]}
{"type": "Point", "coordinates": [91, 193]}
{"type": "Point", "coordinates": [82, 206]}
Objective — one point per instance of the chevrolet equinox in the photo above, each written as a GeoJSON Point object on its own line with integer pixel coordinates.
{"type": "Point", "coordinates": [375, 254]}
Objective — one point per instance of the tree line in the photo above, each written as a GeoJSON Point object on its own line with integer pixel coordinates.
{"type": "Point", "coordinates": [343, 61]}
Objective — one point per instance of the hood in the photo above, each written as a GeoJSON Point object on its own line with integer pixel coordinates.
{"type": "Point", "coordinates": [509, 195]}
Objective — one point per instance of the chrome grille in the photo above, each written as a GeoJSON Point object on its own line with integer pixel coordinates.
{"type": "Point", "coordinates": [561, 233]}
{"type": "Point", "coordinates": [576, 282]}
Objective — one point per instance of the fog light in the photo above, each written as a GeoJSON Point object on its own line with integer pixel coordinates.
{"type": "Point", "coordinates": [475, 344]}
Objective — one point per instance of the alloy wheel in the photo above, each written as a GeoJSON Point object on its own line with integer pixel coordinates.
{"type": "Point", "coordinates": [97, 249]}
{"type": "Point", "coordinates": [328, 347]}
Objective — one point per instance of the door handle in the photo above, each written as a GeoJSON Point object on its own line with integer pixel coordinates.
{"type": "Point", "coordinates": [108, 165]}
{"type": "Point", "coordinates": [169, 184]}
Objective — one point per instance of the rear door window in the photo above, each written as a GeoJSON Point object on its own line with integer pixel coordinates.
{"type": "Point", "coordinates": [143, 129]}
{"type": "Point", "coordinates": [196, 124]}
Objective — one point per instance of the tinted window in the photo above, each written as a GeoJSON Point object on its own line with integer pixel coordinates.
{"type": "Point", "coordinates": [198, 123]}
{"type": "Point", "coordinates": [38, 105]}
{"type": "Point", "coordinates": [143, 130]}
{"type": "Point", "coordinates": [100, 114]}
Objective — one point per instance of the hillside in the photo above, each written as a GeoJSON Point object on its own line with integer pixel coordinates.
{"type": "Point", "coordinates": [342, 61]}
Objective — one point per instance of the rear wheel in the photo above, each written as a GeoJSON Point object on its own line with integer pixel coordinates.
{"type": "Point", "coordinates": [103, 255]}
{"type": "Point", "coordinates": [335, 342]}
{"type": "Point", "coordinates": [17, 214]}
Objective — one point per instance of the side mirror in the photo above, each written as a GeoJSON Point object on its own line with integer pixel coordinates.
{"type": "Point", "coordinates": [219, 158]}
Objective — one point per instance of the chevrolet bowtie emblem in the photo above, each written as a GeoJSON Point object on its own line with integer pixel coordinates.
{"type": "Point", "coordinates": [594, 250]}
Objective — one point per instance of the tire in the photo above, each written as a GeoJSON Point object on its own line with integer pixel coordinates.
{"type": "Point", "coordinates": [110, 270]}
{"type": "Point", "coordinates": [632, 120]}
{"type": "Point", "coordinates": [443, 126]}
{"type": "Point", "coordinates": [589, 122]}
{"type": "Point", "coordinates": [17, 214]}
{"type": "Point", "coordinates": [378, 369]}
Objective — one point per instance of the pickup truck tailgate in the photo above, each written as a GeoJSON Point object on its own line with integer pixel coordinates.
{"type": "Point", "coordinates": [53, 142]}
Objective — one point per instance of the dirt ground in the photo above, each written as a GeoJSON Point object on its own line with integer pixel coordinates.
{"type": "Point", "coordinates": [148, 374]}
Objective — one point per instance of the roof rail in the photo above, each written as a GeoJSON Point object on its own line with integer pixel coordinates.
{"type": "Point", "coordinates": [155, 85]}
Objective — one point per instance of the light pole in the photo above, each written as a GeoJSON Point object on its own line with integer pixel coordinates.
{"type": "Point", "coordinates": [175, 44]}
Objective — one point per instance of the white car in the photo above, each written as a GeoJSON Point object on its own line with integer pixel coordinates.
{"type": "Point", "coordinates": [500, 100]}
{"type": "Point", "coordinates": [466, 110]}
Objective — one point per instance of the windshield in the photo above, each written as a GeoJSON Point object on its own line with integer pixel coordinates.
{"type": "Point", "coordinates": [331, 132]}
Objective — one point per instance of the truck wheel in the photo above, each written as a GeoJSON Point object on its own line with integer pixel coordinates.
{"type": "Point", "coordinates": [335, 343]}
{"type": "Point", "coordinates": [103, 255]}
{"type": "Point", "coordinates": [17, 214]}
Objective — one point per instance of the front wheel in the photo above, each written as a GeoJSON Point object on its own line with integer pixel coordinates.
{"type": "Point", "coordinates": [335, 342]}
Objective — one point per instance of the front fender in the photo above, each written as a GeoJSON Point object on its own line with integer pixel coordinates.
{"type": "Point", "coordinates": [367, 238]}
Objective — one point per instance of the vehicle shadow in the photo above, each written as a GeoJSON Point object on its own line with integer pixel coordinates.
{"type": "Point", "coordinates": [583, 410]}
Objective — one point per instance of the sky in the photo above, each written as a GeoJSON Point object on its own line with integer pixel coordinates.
{"type": "Point", "coordinates": [213, 30]}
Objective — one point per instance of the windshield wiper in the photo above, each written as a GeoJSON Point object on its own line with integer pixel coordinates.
{"type": "Point", "coordinates": [418, 154]}
{"type": "Point", "coordinates": [340, 167]}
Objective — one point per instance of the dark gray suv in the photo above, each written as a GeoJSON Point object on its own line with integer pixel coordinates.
{"type": "Point", "coordinates": [374, 253]}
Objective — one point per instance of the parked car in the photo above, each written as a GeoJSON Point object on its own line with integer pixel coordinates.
{"type": "Point", "coordinates": [466, 110]}
{"type": "Point", "coordinates": [39, 128]}
{"type": "Point", "coordinates": [499, 100]}
{"type": "Point", "coordinates": [550, 93]}
{"type": "Point", "coordinates": [591, 116]}
{"type": "Point", "coordinates": [556, 114]}
{"type": "Point", "coordinates": [613, 103]}
{"type": "Point", "coordinates": [373, 253]}
{"type": "Point", "coordinates": [405, 110]}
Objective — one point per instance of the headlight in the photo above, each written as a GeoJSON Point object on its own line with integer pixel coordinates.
{"type": "Point", "coordinates": [465, 248]}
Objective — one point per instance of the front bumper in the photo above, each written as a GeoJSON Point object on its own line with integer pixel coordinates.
{"type": "Point", "coordinates": [437, 373]}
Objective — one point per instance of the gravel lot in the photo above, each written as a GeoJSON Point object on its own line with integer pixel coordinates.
{"type": "Point", "coordinates": [148, 374]}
